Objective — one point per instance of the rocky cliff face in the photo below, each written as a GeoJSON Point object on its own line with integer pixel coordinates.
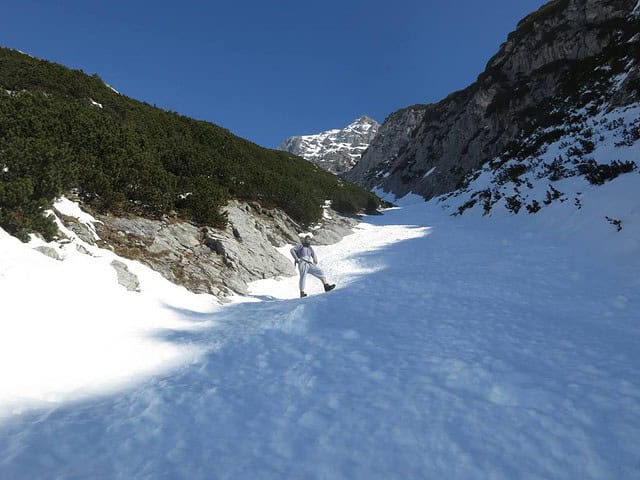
{"type": "Point", "coordinates": [207, 260]}
{"type": "Point", "coordinates": [334, 150]}
{"type": "Point", "coordinates": [564, 55]}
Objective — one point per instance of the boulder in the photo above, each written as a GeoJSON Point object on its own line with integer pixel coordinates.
{"type": "Point", "coordinates": [49, 252]}
{"type": "Point", "coordinates": [125, 277]}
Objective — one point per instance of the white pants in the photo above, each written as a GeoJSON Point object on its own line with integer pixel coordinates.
{"type": "Point", "coordinates": [304, 268]}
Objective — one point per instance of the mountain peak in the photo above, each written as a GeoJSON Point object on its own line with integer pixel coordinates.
{"type": "Point", "coordinates": [364, 119]}
{"type": "Point", "coordinates": [335, 150]}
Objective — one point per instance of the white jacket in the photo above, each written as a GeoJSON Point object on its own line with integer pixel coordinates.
{"type": "Point", "coordinates": [306, 254]}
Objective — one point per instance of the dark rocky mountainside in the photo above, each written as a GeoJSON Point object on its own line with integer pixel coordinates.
{"type": "Point", "coordinates": [567, 56]}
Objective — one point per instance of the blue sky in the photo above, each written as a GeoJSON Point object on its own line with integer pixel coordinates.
{"type": "Point", "coordinates": [267, 70]}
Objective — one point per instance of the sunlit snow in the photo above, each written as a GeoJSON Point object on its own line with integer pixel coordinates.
{"type": "Point", "coordinates": [454, 348]}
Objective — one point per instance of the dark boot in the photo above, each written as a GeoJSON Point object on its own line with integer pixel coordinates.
{"type": "Point", "coordinates": [328, 288]}
{"type": "Point", "coordinates": [302, 294]}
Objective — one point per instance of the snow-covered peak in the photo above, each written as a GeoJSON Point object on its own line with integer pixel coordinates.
{"type": "Point", "coordinates": [336, 150]}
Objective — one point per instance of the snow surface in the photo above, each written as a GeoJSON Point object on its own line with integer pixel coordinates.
{"type": "Point", "coordinates": [72, 209]}
{"type": "Point", "coordinates": [111, 88]}
{"type": "Point", "coordinates": [25, 53]}
{"type": "Point", "coordinates": [455, 348]}
{"type": "Point", "coordinates": [68, 330]}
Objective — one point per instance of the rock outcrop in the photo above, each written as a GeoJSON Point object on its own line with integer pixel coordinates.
{"type": "Point", "coordinates": [125, 278]}
{"type": "Point", "coordinates": [208, 260]}
{"type": "Point", "coordinates": [429, 149]}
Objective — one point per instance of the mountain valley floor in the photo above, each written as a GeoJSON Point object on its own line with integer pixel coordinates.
{"type": "Point", "coordinates": [452, 348]}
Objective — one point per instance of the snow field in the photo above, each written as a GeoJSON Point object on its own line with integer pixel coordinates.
{"type": "Point", "coordinates": [69, 330]}
{"type": "Point", "coordinates": [453, 348]}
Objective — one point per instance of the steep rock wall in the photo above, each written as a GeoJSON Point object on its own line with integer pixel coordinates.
{"type": "Point", "coordinates": [429, 149]}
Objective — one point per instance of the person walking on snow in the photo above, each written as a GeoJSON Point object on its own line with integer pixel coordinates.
{"type": "Point", "coordinates": [307, 262]}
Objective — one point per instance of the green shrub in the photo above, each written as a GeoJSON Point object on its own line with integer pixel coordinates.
{"type": "Point", "coordinates": [130, 157]}
{"type": "Point", "coordinates": [597, 173]}
{"type": "Point", "coordinates": [513, 203]}
{"type": "Point", "coordinates": [533, 207]}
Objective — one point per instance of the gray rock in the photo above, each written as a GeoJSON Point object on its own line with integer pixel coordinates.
{"type": "Point", "coordinates": [429, 149]}
{"type": "Point", "coordinates": [80, 229]}
{"type": "Point", "coordinates": [125, 277]}
{"type": "Point", "coordinates": [332, 230]}
{"type": "Point", "coordinates": [49, 252]}
{"type": "Point", "coordinates": [215, 261]}
{"type": "Point", "coordinates": [335, 150]}
{"type": "Point", "coordinates": [214, 244]}
{"type": "Point", "coordinates": [393, 136]}
{"type": "Point", "coordinates": [82, 250]}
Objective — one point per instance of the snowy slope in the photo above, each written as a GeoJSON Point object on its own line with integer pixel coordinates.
{"type": "Point", "coordinates": [69, 330]}
{"type": "Point", "coordinates": [562, 176]}
{"type": "Point", "coordinates": [336, 150]}
{"type": "Point", "coordinates": [454, 347]}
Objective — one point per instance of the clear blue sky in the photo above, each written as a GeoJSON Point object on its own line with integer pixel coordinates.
{"type": "Point", "coordinates": [267, 70]}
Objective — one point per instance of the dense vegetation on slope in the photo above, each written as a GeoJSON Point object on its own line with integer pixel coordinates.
{"type": "Point", "coordinates": [61, 130]}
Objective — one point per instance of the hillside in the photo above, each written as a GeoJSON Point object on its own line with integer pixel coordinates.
{"type": "Point", "coordinates": [62, 130]}
{"type": "Point", "coordinates": [561, 91]}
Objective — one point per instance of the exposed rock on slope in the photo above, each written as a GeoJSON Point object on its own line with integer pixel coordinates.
{"type": "Point", "coordinates": [554, 55]}
{"type": "Point", "coordinates": [207, 260]}
{"type": "Point", "coordinates": [334, 150]}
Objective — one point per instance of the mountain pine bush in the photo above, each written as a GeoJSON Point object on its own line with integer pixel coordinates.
{"type": "Point", "coordinates": [128, 157]}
